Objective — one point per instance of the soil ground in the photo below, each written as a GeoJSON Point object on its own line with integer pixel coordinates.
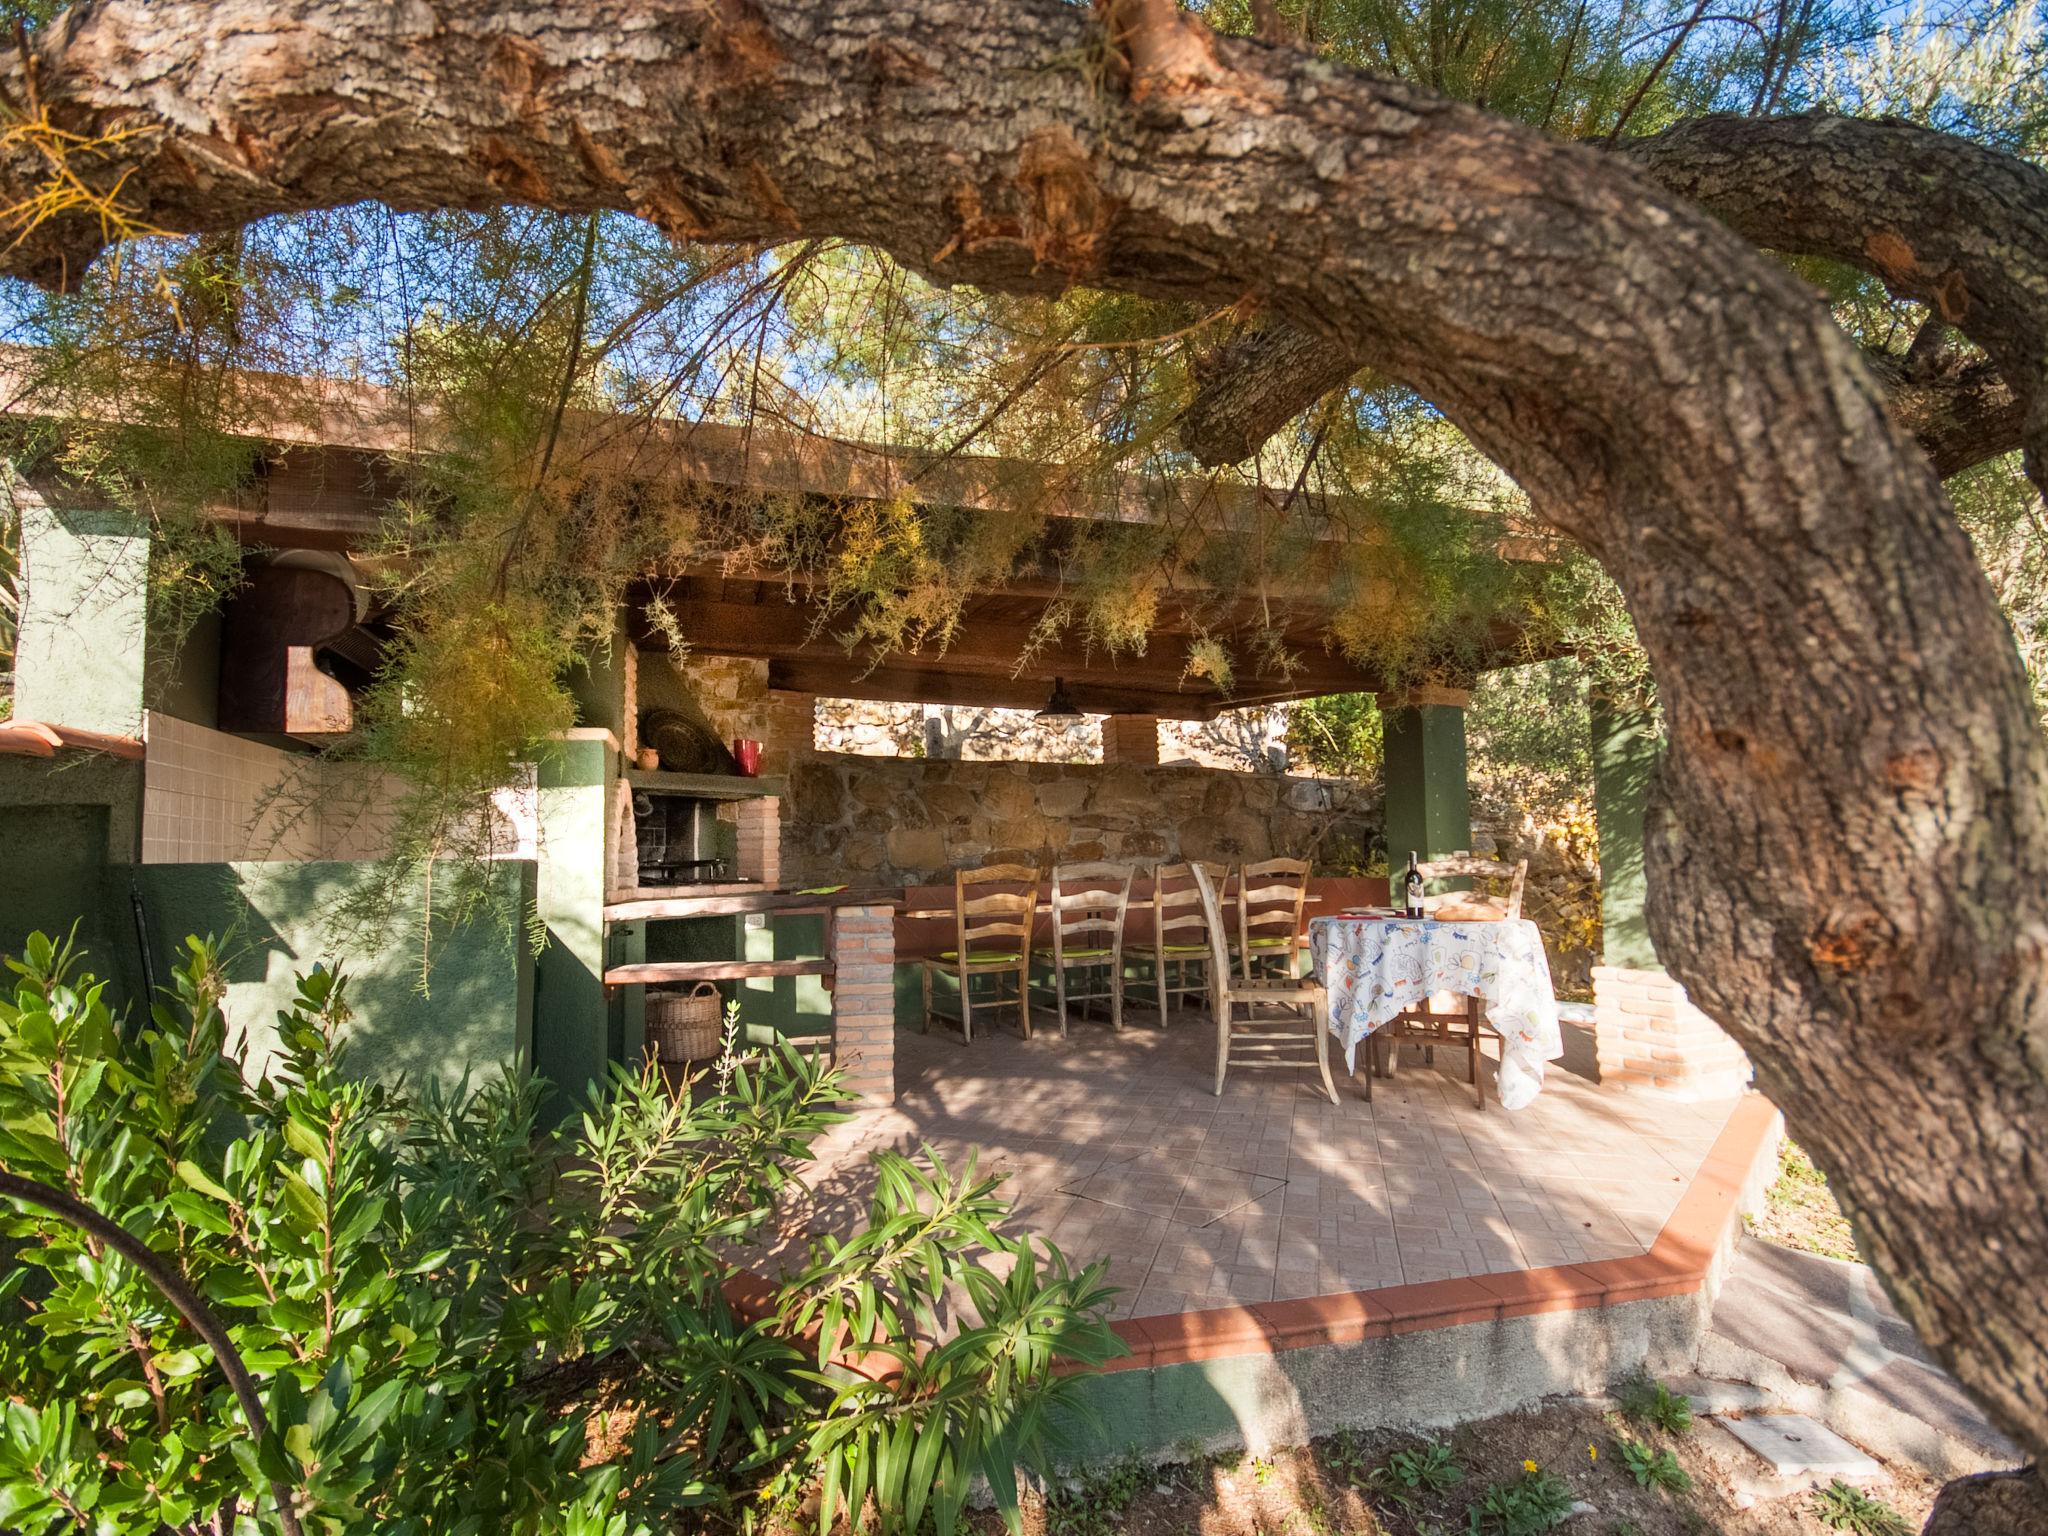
{"type": "Point", "coordinates": [1327, 1489]}
{"type": "Point", "coordinates": [1801, 1212]}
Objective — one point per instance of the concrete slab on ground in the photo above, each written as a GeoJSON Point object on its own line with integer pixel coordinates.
{"type": "Point", "coordinates": [1794, 1445]}
{"type": "Point", "coordinates": [1821, 1337]}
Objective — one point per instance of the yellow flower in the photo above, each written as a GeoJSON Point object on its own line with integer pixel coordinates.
{"type": "Point", "coordinates": [1528, 1466]}
{"type": "Point", "coordinates": [1592, 1452]}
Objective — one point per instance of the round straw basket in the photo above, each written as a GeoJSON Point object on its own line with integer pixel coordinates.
{"type": "Point", "coordinates": [685, 1026]}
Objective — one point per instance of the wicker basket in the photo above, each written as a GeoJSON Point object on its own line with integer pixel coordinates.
{"type": "Point", "coordinates": [685, 1026]}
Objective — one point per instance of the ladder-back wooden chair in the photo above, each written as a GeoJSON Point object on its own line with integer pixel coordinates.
{"type": "Point", "coordinates": [1464, 1025]}
{"type": "Point", "coordinates": [1254, 1041]}
{"type": "Point", "coordinates": [1180, 935]}
{"type": "Point", "coordinates": [1087, 952]}
{"type": "Point", "coordinates": [993, 909]}
{"type": "Point", "coordinates": [1271, 897]}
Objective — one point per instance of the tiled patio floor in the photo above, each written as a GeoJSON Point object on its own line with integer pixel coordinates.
{"type": "Point", "coordinates": [1115, 1148]}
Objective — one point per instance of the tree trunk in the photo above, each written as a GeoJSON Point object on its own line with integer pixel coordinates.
{"type": "Point", "coordinates": [1848, 862]}
{"type": "Point", "coordinates": [1940, 220]}
{"type": "Point", "coordinates": [1993, 1504]}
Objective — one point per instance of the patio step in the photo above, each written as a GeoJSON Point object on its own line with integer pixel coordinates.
{"type": "Point", "coordinates": [649, 972]}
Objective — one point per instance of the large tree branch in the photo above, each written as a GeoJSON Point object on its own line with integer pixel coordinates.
{"type": "Point", "coordinates": [1940, 220]}
{"type": "Point", "coordinates": [1848, 845]}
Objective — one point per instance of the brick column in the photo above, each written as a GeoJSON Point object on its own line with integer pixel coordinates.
{"type": "Point", "coordinates": [1132, 739]}
{"type": "Point", "coordinates": [788, 728]}
{"type": "Point", "coordinates": [1649, 1035]}
{"type": "Point", "coordinates": [863, 946]}
{"type": "Point", "coordinates": [759, 824]}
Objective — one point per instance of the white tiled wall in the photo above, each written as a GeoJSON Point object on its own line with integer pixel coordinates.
{"type": "Point", "coordinates": [208, 797]}
{"type": "Point", "coordinates": [211, 798]}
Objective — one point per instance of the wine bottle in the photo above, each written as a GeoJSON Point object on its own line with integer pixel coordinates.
{"type": "Point", "coordinates": [1414, 887]}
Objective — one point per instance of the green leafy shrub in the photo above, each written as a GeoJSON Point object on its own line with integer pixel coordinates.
{"type": "Point", "coordinates": [1648, 1401]}
{"type": "Point", "coordinates": [1409, 1474]}
{"type": "Point", "coordinates": [457, 1321]}
{"type": "Point", "coordinates": [1841, 1507]}
{"type": "Point", "coordinates": [1528, 1505]}
{"type": "Point", "coordinates": [1652, 1466]}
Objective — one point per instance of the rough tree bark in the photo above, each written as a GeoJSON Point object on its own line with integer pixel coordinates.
{"type": "Point", "coordinates": [1940, 220]}
{"type": "Point", "coordinates": [1848, 857]}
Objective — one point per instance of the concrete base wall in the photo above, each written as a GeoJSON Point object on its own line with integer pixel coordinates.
{"type": "Point", "coordinates": [1417, 1380]}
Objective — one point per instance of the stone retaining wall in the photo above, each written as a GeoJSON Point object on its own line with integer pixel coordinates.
{"type": "Point", "coordinates": [912, 822]}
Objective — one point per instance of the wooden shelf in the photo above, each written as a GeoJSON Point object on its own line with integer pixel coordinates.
{"type": "Point", "coordinates": [705, 786]}
{"type": "Point", "coordinates": [651, 972]}
{"type": "Point", "coordinates": [647, 905]}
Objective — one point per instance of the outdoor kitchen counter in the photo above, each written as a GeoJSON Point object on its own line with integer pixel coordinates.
{"type": "Point", "coordinates": [731, 899]}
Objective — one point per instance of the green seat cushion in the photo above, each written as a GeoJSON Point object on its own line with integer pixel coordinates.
{"type": "Point", "coordinates": [1079, 954]}
{"type": "Point", "coordinates": [1273, 943]}
{"type": "Point", "coordinates": [986, 957]}
{"type": "Point", "coordinates": [1185, 949]}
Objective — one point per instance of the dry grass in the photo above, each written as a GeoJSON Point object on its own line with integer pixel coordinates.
{"type": "Point", "coordinates": [1801, 1212]}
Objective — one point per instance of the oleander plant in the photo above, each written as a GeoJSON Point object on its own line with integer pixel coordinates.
{"type": "Point", "coordinates": [309, 1301]}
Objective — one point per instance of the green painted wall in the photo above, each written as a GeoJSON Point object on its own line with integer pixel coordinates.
{"type": "Point", "coordinates": [66, 847]}
{"type": "Point", "coordinates": [1427, 808]}
{"type": "Point", "coordinates": [576, 1028]}
{"type": "Point", "coordinates": [794, 1005]}
{"type": "Point", "coordinates": [1626, 748]}
{"type": "Point", "coordinates": [184, 671]}
{"type": "Point", "coordinates": [278, 918]}
{"type": "Point", "coordinates": [85, 585]}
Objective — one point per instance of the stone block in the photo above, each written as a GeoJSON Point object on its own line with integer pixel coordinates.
{"type": "Point", "coordinates": [1793, 1445]}
{"type": "Point", "coordinates": [920, 850]}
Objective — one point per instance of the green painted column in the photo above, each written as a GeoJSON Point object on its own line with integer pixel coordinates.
{"type": "Point", "coordinates": [79, 655]}
{"type": "Point", "coordinates": [576, 1027]}
{"type": "Point", "coordinates": [1428, 808]}
{"type": "Point", "coordinates": [1626, 747]}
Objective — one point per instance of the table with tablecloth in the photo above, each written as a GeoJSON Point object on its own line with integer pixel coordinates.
{"type": "Point", "coordinates": [1375, 968]}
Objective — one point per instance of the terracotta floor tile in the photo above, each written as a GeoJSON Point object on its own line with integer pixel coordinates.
{"type": "Point", "coordinates": [1112, 1146]}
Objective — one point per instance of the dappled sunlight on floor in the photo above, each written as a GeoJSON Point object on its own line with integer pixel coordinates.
{"type": "Point", "coordinates": [1114, 1147]}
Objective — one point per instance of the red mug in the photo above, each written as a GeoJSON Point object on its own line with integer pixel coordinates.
{"type": "Point", "coordinates": [747, 753]}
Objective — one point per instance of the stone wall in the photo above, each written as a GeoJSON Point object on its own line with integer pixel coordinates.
{"type": "Point", "coordinates": [907, 821]}
{"type": "Point", "coordinates": [1561, 841]}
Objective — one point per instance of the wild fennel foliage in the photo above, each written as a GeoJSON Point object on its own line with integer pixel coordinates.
{"type": "Point", "coordinates": [460, 1321]}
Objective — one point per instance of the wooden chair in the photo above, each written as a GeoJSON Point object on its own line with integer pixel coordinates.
{"type": "Point", "coordinates": [1088, 906]}
{"type": "Point", "coordinates": [992, 922]}
{"type": "Point", "coordinates": [1467, 866]}
{"type": "Point", "coordinates": [1271, 897]}
{"type": "Point", "coordinates": [1180, 935]}
{"type": "Point", "coordinates": [1464, 1026]}
{"type": "Point", "coordinates": [1246, 1043]}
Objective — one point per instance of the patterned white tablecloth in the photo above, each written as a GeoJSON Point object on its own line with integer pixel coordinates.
{"type": "Point", "coordinates": [1375, 968]}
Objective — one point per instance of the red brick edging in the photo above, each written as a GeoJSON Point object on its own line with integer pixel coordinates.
{"type": "Point", "coordinates": [1676, 1265]}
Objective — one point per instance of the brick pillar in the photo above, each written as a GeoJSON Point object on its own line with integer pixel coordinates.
{"type": "Point", "coordinates": [863, 945]}
{"type": "Point", "coordinates": [1132, 739]}
{"type": "Point", "coordinates": [788, 727]}
{"type": "Point", "coordinates": [759, 824]}
{"type": "Point", "coordinates": [1649, 1035]}
{"type": "Point", "coordinates": [1428, 808]}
